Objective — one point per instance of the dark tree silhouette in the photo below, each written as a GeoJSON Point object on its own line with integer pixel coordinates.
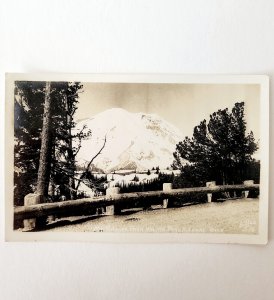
{"type": "Point", "coordinates": [219, 150]}
{"type": "Point", "coordinates": [46, 144]}
{"type": "Point", "coordinates": [28, 122]}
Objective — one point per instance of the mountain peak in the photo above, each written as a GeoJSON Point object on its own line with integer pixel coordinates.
{"type": "Point", "coordinates": [114, 111]}
{"type": "Point", "coordinates": [133, 139]}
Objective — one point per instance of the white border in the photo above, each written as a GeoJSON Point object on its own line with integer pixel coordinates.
{"type": "Point", "coordinates": [260, 238]}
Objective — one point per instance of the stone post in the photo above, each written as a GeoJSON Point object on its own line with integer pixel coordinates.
{"type": "Point", "coordinates": [248, 183]}
{"type": "Point", "coordinates": [209, 195]}
{"type": "Point", "coordinates": [166, 188]}
{"type": "Point", "coordinates": [111, 191]}
{"type": "Point", "coordinates": [51, 218]}
{"type": "Point", "coordinates": [31, 199]}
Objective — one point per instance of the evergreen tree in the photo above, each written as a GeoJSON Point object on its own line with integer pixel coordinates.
{"type": "Point", "coordinates": [136, 178]}
{"type": "Point", "coordinates": [219, 150]}
{"type": "Point", "coordinates": [28, 120]}
{"type": "Point", "coordinates": [46, 144]}
{"type": "Point", "coordinates": [65, 151]}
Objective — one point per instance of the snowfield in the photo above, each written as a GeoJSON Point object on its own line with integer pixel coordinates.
{"type": "Point", "coordinates": [133, 141]}
{"type": "Point", "coordinates": [124, 177]}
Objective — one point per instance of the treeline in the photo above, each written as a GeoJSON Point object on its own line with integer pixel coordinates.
{"type": "Point", "coordinates": [155, 184]}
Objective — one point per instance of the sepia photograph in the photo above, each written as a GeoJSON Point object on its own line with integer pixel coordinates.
{"type": "Point", "coordinates": [179, 157]}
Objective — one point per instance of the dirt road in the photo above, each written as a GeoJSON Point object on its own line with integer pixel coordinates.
{"type": "Point", "coordinates": [233, 216]}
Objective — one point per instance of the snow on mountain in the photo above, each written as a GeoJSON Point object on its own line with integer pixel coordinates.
{"type": "Point", "coordinates": [133, 141]}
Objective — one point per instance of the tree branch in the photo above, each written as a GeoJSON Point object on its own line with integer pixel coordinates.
{"type": "Point", "coordinates": [91, 161]}
{"type": "Point", "coordinates": [98, 153]}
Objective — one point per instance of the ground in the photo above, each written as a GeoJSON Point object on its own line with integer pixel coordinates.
{"type": "Point", "coordinates": [232, 216]}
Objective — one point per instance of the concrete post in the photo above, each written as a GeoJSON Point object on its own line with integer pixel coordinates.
{"type": "Point", "coordinates": [209, 195]}
{"type": "Point", "coordinates": [166, 188]}
{"type": "Point", "coordinates": [111, 191]}
{"type": "Point", "coordinates": [31, 199]}
{"type": "Point", "coordinates": [51, 218]}
{"type": "Point", "coordinates": [100, 211]}
{"type": "Point", "coordinates": [248, 183]}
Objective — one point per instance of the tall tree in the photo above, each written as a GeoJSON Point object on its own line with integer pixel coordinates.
{"type": "Point", "coordinates": [218, 150]}
{"type": "Point", "coordinates": [28, 118]}
{"type": "Point", "coordinates": [29, 109]}
{"type": "Point", "coordinates": [46, 144]}
{"type": "Point", "coordinates": [68, 143]}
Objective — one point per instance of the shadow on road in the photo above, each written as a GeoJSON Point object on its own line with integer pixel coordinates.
{"type": "Point", "coordinates": [62, 222]}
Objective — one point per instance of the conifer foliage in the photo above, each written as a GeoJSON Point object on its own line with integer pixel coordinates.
{"type": "Point", "coordinates": [219, 150]}
{"type": "Point", "coordinates": [29, 100]}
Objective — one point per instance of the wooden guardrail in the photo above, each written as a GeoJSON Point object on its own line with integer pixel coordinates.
{"type": "Point", "coordinates": [86, 206]}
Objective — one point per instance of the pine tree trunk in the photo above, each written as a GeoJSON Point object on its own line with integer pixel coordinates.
{"type": "Point", "coordinates": [71, 157]}
{"type": "Point", "coordinates": [45, 152]}
{"type": "Point", "coordinates": [72, 166]}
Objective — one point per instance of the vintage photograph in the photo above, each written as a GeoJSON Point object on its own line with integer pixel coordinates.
{"type": "Point", "coordinates": [183, 157]}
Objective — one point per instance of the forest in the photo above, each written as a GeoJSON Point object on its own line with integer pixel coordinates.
{"type": "Point", "coordinates": [44, 155]}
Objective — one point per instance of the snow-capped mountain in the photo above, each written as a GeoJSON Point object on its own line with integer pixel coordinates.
{"type": "Point", "coordinates": [133, 141]}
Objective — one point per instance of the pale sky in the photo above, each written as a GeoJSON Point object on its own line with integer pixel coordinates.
{"type": "Point", "coordinates": [183, 105]}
